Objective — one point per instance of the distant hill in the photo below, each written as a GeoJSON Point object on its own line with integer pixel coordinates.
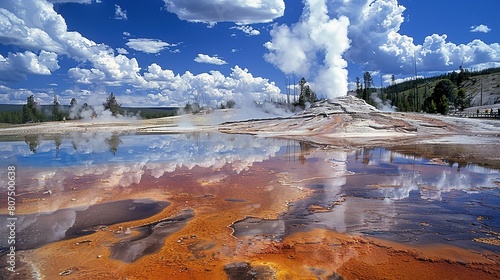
{"type": "Point", "coordinates": [10, 108]}
{"type": "Point", "coordinates": [486, 81]}
{"type": "Point", "coordinates": [488, 84]}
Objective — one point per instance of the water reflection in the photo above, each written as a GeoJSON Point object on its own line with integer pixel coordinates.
{"type": "Point", "coordinates": [132, 155]}
{"type": "Point", "coordinates": [362, 191]}
{"type": "Point", "coordinates": [124, 159]}
{"type": "Point", "coordinates": [400, 197]}
{"type": "Point", "coordinates": [32, 142]}
{"type": "Point", "coordinates": [431, 179]}
{"type": "Point", "coordinates": [38, 229]}
{"type": "Point", "coordinates": [112, 140]}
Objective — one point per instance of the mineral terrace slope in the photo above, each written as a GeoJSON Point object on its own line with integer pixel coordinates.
{"type": "Point", "coordinates": [349, 121]}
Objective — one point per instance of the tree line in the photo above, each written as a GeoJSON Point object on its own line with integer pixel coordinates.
{"type": "Point", "coordinates": [437, 94]}
{"type": "Point", "coordinates": [34, 112]}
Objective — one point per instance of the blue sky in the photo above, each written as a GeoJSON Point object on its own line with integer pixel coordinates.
{"type": "Point", "coordinates": [169, 52]}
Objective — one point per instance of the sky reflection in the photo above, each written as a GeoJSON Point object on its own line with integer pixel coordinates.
{"type": "Point", "coordinates": [406, 174]}
{"type": "Point", "coordinates": [363, 191]}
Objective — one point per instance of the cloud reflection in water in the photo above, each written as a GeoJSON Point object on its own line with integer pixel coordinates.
{"type": "Point", "coordinates": [360, 191]}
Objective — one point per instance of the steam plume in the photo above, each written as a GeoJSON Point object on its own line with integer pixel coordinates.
{"type": "Point", "coordinates": [313, 48]}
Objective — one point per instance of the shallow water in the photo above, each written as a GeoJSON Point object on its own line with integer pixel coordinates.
{"type": "Point", "coordinates": [38, 229]}
{"type": "Point", "coordinates": [376, 192]}
{"type": "Point", "coordinates": [406, 199]}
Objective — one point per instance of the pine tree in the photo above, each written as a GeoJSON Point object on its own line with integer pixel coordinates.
{"type": "Point", "coordinates": [112, 105]}
{"type": "Point", "coordinates": [306, 94]}
{"type": "Point", "coordinates": [443, 94]}
{"type": "Point", "coordinates": [230, 104]}
{"type": "Point", "coordinates": [368, 81]}
{"type": "Point", "coordinates": [30, 112]}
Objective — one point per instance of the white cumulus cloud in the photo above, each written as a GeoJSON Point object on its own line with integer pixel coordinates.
{"type": "Point", "coordinates": [239, 11]}
{"type": "Point", "coordinates": [34, 25]}
{"type": "Point", "coordinates": [121, 51]}
{"type": "Point", "coordinates": [119, 13]}
{"type": "Point", "coordinates": [14, 96]}
{"type": "Point", "coordinates": [365, 32]}
{"type": "Point", "coordinates": [208, 88]}
{"type": "Point", "coordinates": [480, 28]}
{"type": "Point", "coordinates": [147, 45]}
{"type": "Point", "coordinates": [98, 65]}
{"type": "Point", "coordinates": [250, 31]}
{"type": "Point", "coordinates": [203, 58]}
{"type": "Point", "coordinates": [378, 45]}
{"type": "Point", "coordinates": [16, 66]}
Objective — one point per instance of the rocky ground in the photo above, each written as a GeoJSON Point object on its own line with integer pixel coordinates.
{"type": "Point", "coordinates": [349, 121]}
